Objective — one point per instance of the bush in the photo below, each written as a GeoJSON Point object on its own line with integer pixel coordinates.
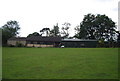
{"type": "Point", "coordinates": [11, 45]}
{"type": "Point", "coordinates": [19, 45]}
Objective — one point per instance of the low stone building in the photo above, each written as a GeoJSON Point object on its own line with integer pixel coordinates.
{"type": "Point", "coordinates": [16, 40]}
{"type": "Point", "coordinates": [79, 43]}
{"type": "Point", "coordinates": [40, 41]}
{"type": "Point", "coordinates": [35, 41]}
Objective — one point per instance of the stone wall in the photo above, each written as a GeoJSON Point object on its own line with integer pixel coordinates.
{"type": "Point", "coordinates": [14, 42]}
{"type": "Point", "coordinates": [39, 45]}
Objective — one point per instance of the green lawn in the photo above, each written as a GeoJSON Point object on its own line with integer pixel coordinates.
{"type": "Point", "coordinates": [60, 63]}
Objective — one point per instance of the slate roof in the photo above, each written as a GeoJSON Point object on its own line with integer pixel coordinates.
{"type": "Point", "coordinates": [18, 38]}
{"type": "Point", "coordinates": [78, 40]}
{"type": "Point", "coordinates": [45, 39]}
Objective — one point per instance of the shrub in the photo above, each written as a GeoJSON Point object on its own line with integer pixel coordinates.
{"type": "Point", "coordinates": [19, 45]}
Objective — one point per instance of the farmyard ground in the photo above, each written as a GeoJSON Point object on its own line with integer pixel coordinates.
{"type": "Point", "coordinates": [60, 63]}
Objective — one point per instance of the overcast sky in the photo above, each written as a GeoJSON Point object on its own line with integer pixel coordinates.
{"type": "Point", "coordinates": [33, 15]}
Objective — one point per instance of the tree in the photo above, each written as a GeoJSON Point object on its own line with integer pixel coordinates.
{"type": "Point", "coordinates": [34, 34]}
{"type": "Point", "coordinates": [86, 27]}
{"type": "Point", "coordinates": [10, 29]}
{"type": "Point", "coordinates": [65, 28]}
{"type": "Point", "coordinates": [77, 30]}
{"type": "Point", "coordinates": [55, 31]}
{"type": "Point", "coordinates": [105, 28]}
{"type": "Point", "coordinates": [47, 30]}
{"type": "Point", "coordinates": [99, 27]}
{"type": "Point", "coordinates": [118, 39]}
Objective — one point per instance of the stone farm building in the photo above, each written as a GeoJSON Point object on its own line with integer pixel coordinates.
{"type": "Point", "coordinates": [79, 43]}
{"type": "Point", "coordinates": [35, 41]}
{"type": "Point", "coordinates": [14, 40]}
{"type": "Point", "coordinates": [39, 41]}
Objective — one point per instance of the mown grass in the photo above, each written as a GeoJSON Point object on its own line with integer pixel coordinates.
{"type": "Point", "coordinates": [60, 63]}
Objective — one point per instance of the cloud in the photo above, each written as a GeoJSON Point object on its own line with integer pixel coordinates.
{"type": "Point", "coordinates": [104, 0]}
{"type": "Point", "coordinates": [115, 9]}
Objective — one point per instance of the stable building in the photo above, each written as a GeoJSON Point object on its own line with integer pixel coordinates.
{"type": "Point", "coordinates": [79, 43]}
{"type": "Point", "coordinates": [40, 41]}
{"type": "Point", "coordinates": [35, 41]}
{"type": "Point", "coordinates": [16, 40]}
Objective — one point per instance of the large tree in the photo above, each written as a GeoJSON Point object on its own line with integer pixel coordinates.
{"type": "Point", "coordinates": [10, 29]}
{"type": "Point", "coordinates": [99, 27]}
{"type": "Point", "coordinates": [86, 27]}
{"type": "Point", "coordinates": [65, 30]}
{"type": "Point", "coordinates": [105, 28]}
{"type": "Point", "coordinates": [55, 31]}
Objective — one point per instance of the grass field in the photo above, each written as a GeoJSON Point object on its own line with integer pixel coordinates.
{"type": "Point", "coordinates": [60, 63]}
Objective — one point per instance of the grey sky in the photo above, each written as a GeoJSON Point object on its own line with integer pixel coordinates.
{"type": "Point", "coordinates": [33, 15]}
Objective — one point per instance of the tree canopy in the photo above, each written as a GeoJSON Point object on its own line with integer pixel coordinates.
{"type": "Point", "coordinates": [55, 31]}
{"type": "Point", "coordinates": [45, 31]}
{"type": "Point", "coordinates": [97, 27]}
{"type": "Point", "coordinates": [118, 39]}
{"type": "Point", "coordinates": [65, 30]}
{"type": "Point", "coordinates": [10, 29]}
{"type": "Point", "coordinates": [34, 34]}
